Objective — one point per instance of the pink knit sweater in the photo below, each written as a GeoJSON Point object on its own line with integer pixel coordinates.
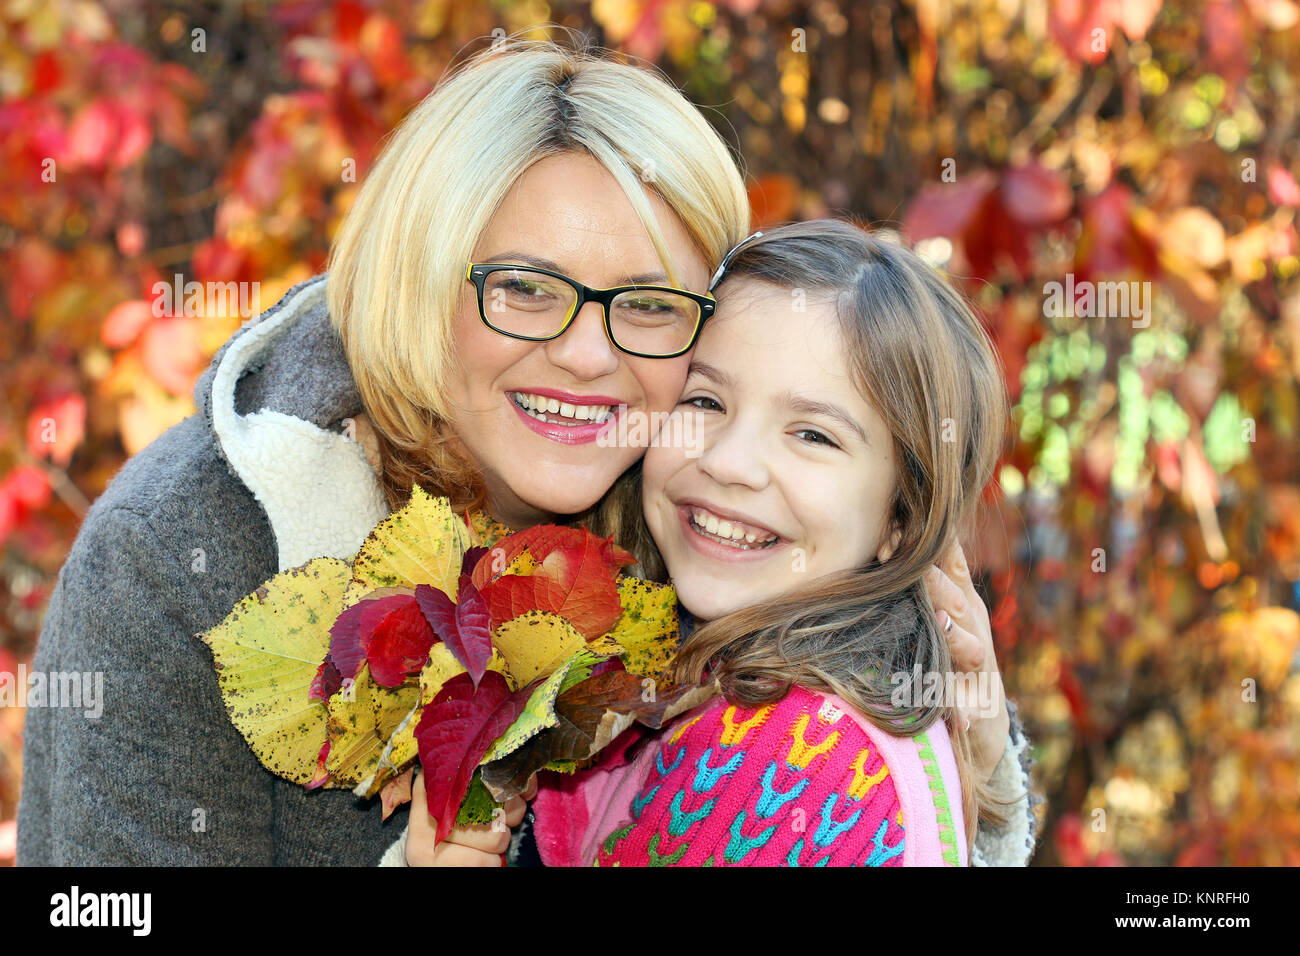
{"type": "Point", "coordinates": [803, 782]}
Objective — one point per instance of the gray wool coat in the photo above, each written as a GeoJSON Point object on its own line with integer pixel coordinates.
{"type": "Point", "coordinates": [179, 536]}
{"type": "Point", "coordinates": [262, 478]}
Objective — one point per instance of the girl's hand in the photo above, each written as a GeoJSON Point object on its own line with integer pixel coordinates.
{"type": "Point", "coordinates": [970, 640]}
{"type": "Point", "coordinates": [465, 846]}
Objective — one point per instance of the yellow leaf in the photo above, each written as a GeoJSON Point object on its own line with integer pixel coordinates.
{"type": "Point", "coordinates": [535, 643]}
{"type": "Point", "coordinates": [423, 543]}
{"type": "Point", "coordinates": [267, 652]}
{"type": "Point", "coordinates": [486, 531]}
{"type": "Point", "coordinates": [362, 718]}
{"type": "Point", "coordinates": [647, 628]}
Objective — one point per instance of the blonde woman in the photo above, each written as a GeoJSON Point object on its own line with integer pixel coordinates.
{"type": "Point", "coordinates": [535, 165]}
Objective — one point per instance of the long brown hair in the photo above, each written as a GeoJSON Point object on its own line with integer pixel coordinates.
{"type": "Point", "coordinates": [923, 360]}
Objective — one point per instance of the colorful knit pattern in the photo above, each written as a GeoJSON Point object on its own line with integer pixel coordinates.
{"type": "Point", "coordinates": [796, 783]}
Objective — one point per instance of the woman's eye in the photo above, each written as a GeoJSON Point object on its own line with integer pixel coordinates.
{"type": "Point", "coordinates": [814, 437]}
{"type": "Point", "coordinates": [702, 402]}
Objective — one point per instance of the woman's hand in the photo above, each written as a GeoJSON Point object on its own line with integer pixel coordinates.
{"type": "Point", "coordinates": [465, 846]}
{"type": "Point", "coordinates": [970, 640]}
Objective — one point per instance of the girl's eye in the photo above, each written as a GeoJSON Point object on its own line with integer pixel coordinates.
{"type": "Point", "coordinates": [814, 437]}
{"type": "Point", "coordinates": [703, 402]}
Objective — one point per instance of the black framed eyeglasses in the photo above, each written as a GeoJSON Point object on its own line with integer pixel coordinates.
{"type": "Point", "coordinates": [538, 305]}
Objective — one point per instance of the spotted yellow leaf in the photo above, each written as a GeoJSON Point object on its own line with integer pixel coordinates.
{"type": "Point", "coordinates": [266, 653]}
{"type": "Point", "coordinates": [362, 718]}
{"type": "Point", "coordinates": [647, 628]}
{"type": "Point", "coordinates": [423, 543]}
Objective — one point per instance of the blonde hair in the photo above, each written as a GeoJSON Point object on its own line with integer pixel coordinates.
{"type": "Point", "coordinates": [924, 361]}
{"type": "Point", "coordinates": [397, 265]}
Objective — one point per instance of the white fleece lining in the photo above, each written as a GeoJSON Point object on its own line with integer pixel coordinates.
{"type": "Point", "coordinates": [1013, 845]}
{"type": "Point", "coordinates": [319, 493]}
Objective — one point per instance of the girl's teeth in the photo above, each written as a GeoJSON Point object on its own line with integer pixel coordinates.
{"type": "Point", "coordinates": [726, 531]}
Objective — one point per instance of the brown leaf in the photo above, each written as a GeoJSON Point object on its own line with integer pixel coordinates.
{"type": "Point", "coordinates": [591, 715]}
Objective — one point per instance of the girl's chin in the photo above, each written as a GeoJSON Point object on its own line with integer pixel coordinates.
{"type": "Point", "coordinates": [708, 604]}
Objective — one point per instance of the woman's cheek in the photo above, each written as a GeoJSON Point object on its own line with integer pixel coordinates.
{"type": "Point", "coordinates": [661, 380]}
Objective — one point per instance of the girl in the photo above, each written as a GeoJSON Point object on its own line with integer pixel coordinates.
{"type": "Point", "coordinates": [850, 411]}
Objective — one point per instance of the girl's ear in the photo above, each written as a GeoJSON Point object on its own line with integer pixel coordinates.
{"type": "Point", "coordinates": [889, 547]}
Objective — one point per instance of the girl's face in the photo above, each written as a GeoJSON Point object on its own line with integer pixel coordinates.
{"type": "Point", "coordinates": [792, 472]}
{"type": "Point", "coordinates": [565, 213]}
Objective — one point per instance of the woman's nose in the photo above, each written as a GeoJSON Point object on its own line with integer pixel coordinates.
{"type": "Point", "coordinates": [584, 350]}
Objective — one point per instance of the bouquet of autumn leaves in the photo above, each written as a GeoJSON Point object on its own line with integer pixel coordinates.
{"type": "Point", "coordinates": [484, 655]}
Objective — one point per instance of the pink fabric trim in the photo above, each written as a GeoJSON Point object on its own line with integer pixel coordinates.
{"type": "Point", "coordinates": [920, 816]}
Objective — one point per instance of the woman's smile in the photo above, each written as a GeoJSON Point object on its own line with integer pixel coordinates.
{"type": "Point", "coordinates": [564, 417]}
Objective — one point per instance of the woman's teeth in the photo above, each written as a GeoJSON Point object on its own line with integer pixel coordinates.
{"type": "Point", "coordinates": [554, 412]}
{"type": "Point", "coordinates": [729, 532]}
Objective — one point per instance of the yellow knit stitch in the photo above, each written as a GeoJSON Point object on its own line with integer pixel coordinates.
{"type": "Point", "coordinates": [801, 753]}
{"type": "Point", "coordinates": [862, 784]}
{"type": "Point", "coordinates": [677, 734]}
{"type": "Point", "coordinates": [734, 732]}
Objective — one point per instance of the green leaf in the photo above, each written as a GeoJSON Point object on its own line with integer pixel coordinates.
{"type": "Point", "coordinates": [478, 806]}
{"type": "Point", "coordinates": [539, 712]}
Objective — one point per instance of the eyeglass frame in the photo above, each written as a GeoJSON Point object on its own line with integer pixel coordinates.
{"type": "Point", "coordinates": [707, 304]}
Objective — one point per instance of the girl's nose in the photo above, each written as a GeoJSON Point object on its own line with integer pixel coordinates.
{"type": "Point", "coordinates": [734, 455]}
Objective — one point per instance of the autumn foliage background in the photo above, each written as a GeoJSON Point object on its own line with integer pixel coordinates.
{"type": "Point", "coordinates": [1015, 140]}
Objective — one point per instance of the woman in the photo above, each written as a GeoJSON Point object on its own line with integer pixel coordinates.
{"type": "Point", "coordinates": [532, 156]}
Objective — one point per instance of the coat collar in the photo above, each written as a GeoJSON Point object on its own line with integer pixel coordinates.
{"type": "Point", "coordinates": [277, 397]}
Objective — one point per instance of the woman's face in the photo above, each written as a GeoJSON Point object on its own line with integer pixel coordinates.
{"type": "Point", "coordinates": [565, 213]}
{"type": "Point", "coordinates": [792, 472]}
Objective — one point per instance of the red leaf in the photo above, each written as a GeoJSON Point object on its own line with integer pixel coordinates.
{"type": "Point", "coordinates": [1073, 24]}
{"type": "Point", "coordinates": [948, 209]}
{"type": "Point", "coordinates": [398, 642]}
{"type": "Point", "coordinates": [575, 578]}
{"type": "Point", "coordinates": [396, 792]}
{"type": "Point", "coordinates": [464, 627]}
{"type": "Point", "coordinates": [172, 353]}
{"type": "Point", "coordinates": [1282, 187]}
{"type": "Point", "coordinates": [455, 730]}
{"type": "Point", "coordinates": [322, 775]}
{"type": "Point", "coordinates": [1035, 195]}
{"type": "Point", "coordinates": [387, 627]}
{"type": "Point", "coordinates": [327, 683]}
{"type": "Point", "coordinates": [55, 428]}
{"type": "Point", "coordinates": [92, 135]}
{"type": "Point", "coordinates": [125, 322]}
{"type": "Point", "coordinates": [773, 199]}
